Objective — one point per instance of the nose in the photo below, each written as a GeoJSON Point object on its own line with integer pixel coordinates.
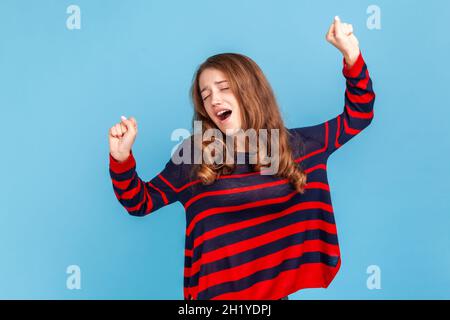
{"type": "Point", "coordinates": [216, 99]}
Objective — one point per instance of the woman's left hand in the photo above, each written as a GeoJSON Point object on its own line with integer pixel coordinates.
{"type": "Point", "coordinates": [341, 36]}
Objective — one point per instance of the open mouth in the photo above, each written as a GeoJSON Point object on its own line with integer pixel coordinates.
{"type": "Point", "coordinates": [223, 114]}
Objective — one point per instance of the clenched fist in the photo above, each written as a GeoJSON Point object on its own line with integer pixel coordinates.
{"type": "Point", "coordinates": [341, 36]}
{"type": "Point", "coordinates": [121, 138]}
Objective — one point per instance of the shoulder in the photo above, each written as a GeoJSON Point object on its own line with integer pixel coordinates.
{"type": "Point", "coordinates": [305, 140]}
{"type": "Point", "coordinates": [183, 159]}
{"type": "Point", "coordinates": [186, 151]}
{"type": "Point", "coordinates": [315, 132]}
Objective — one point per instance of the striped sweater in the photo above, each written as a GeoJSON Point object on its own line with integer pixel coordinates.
{"type": "Point", "coordinates": [252, 236]}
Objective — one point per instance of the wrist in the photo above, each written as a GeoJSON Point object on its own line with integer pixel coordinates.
{"type": "Point", "coordinates": [120, 157]}
{"type": "Point", "coordinates": [351, 57]}
{"type": "Point", "coordinates": [119, 167]}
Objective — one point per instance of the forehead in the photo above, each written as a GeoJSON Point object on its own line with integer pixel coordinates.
{"type": "Point", "coordinates": [209, 76]}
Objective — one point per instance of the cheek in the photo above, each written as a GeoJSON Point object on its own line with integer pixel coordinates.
{"type": "Point", "coordinates": [207, 109]}
{"type": "Point", "coordinates": [210, 114]}
{"type": "Point", "coordinates": [234, 102]}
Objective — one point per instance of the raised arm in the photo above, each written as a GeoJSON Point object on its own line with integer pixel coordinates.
{"type": "Point", "coordinates": [138, 197]}
{"type": "Point", "coordinates": [359, 95]}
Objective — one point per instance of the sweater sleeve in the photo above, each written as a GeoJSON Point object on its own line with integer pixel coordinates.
{"type": "Point", "coordinates": [356, 116]}
{"type": "Point", "coordinates": [138, 197]}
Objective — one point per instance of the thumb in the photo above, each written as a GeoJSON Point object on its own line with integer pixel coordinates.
{"type": "Point", "coordinates": [134, 122]}
{"type": "Point", "coordinates": [128, 123]}
{"type": "Point", "coordinates": [330, 34]}
{"type": "Point", "coordinates": [338, 26]}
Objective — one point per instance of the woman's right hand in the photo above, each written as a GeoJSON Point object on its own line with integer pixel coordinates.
{"type": "Point", "coordinates": [121, 138]}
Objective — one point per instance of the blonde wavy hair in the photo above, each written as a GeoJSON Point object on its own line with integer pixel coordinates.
{"type": "Point", "coordinates": [259, 110]}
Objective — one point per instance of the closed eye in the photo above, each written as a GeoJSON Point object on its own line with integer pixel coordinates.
{"type": "Point", "coordinates": [220, 89]}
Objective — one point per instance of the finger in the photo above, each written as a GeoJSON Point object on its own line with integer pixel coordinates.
{"type": "Point", "coordinates": [350, 27]}
{"type": "Point", "coordinates": [113, 131]}
{"type": "Point", "coordinates": [330, 33]}
{"type": "Point", "coordinates": [124, 121]}
{"type": "Point", "coordinates": [345, 28]}
{"type": "Point", "coordinates": [133, 120]}
{"type": "Point", "coordinates": [118, 129]}
{"type": "Point", "coordinates": [123, 127]}
{"type": "Point", "coordinates": [337, 27]}
{"type": "Point", "coordinates": [128, 125]}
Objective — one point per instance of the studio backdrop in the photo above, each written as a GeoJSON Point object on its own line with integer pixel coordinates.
{"type": "Point", "coordinates": [70, 69]}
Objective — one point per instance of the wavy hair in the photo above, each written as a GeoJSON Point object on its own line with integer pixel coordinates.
{"type": "Point", "coordinates": [259, 110]}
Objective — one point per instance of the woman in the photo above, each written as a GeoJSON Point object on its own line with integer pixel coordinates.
{"type": "Point", "coordinates": [250, 235]}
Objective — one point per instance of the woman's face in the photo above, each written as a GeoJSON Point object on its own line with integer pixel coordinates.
{"type": "Point", "coordinates": [219, 101]}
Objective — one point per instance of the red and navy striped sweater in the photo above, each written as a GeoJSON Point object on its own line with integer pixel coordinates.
{"type": "Point", "coordinates": [252, 236]}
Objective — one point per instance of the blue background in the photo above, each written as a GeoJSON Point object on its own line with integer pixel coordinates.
{"type": "Point", "coordinates": [61, 90]}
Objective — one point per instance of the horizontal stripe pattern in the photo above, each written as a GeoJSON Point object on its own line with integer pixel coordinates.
{"type": "Point", "coordinates": [140, 198]}
{"type": "Point", "coordinates": [357, 114]}
{"type": "Point", "coordinates": [252, 236]}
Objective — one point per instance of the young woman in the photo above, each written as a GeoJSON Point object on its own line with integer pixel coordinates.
{"type": "Point", "coordinates": [251, 235]}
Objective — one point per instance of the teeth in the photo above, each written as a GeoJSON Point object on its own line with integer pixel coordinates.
{"type": "Point", "coordinates": [221, 112]}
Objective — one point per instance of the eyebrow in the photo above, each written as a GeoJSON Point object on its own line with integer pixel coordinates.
{"type": "Point", "coordinates": [216, 82]}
